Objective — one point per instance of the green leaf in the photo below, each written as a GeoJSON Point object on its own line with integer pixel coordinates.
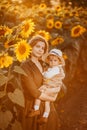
{"type": "Point", "coordinates": [3, 79]}
{"type": "Point", "coordinates": [19, 70]}
{"type": "Point", "coordinates": [3, 71]}
{"type": "Point", "coordinates": [2, 94]}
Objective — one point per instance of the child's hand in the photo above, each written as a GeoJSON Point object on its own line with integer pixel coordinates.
{"type": "Point", "coordinates": [42, 88]}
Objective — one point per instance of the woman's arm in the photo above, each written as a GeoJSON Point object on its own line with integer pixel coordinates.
{"type": "Point", "coordinates": [29, 86]}
{"type": "Point", "coordinates": [33, 91]}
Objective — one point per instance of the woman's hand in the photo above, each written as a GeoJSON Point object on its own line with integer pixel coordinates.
{"type": "Point", "coordinates": [43, 88]}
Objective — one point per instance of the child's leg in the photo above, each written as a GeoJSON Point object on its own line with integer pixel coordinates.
{"type": "Point", "coordinates": [35, 111]}
{"type": "Point", "coordinates": [44, 118]}
{"type": "Point", "coordinates": [37, 104]}
{"type": "Point", "coordinates": [47, 109]}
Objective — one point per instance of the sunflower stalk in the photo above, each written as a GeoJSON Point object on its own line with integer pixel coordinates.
{"type": "Point", "coordinates": [9, 74]}
{"type": "Point", "coordinates": [83, 37]}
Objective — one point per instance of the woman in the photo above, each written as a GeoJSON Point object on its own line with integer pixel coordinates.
{"type": "Point", "coordinates": [31, 84]}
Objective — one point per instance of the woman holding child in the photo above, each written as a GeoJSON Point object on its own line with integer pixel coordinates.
{"type": "Point", "coordinates": [31, 83]}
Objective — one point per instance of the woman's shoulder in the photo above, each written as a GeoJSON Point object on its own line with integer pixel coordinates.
{"type": "Point", "coordinates": [28, 67]}
{"type": "Point", "coordinates": [26, 63]}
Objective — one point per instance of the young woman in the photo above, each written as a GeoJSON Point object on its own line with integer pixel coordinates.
{"type": "Point", "coordinates": [31, 84]}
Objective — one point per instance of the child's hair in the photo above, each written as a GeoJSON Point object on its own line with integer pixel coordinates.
{"type": "Point", "coordinates": [57, 53]}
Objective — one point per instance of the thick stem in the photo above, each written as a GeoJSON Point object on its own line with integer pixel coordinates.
{"type": "Point", "coordinates": [9, 73]}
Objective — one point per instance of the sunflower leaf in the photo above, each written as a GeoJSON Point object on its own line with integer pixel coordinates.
{"type": "Point", "coordinates": [2, 94]}
{"type": "Point", "coordinates": [19, 70]}
{"type": "Point", "coordinates": [3, 79]}
{"type": "Point", "coordinates": [3, 71]}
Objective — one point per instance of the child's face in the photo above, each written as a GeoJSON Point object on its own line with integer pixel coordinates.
{"type": "Point", "coordinates": [53, 61]}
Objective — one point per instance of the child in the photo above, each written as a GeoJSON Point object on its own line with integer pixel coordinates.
{"type": "Point", "coordinates": [52, 79]}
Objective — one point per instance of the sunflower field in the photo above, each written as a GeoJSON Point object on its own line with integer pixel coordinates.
{"type": "Point", "coordinates": [63, 26]}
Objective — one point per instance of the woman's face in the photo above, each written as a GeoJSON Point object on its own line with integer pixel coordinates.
{"type": "Point", "coordinates": [38, 49]}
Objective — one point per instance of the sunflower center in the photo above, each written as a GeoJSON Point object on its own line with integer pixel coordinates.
{"type": "Point", "coordinates": [50, 24]}
{"type": "Point", "coordinates": [42, 34]}
{"type": "Point", "coordinates": [10, 43]}
{"type": "Point", "coordinates": [58, 7]}
{"type": "Point", "coordinates": [57, 24]}
{"type": "Point", "coordinates": [76, 30]}
{"type": "Point", "coordinates": [22, 49]}
{"type": "Point", "coordinates": [26, 27]}
{"type": "Point", "coordinates": [2, 60]}
{"type": "Point", "coordinates": [48, 11]}
{"type": "Point", "coordinates": [58, 40]}
{"type": "Point", "coordinates": [2, 32]}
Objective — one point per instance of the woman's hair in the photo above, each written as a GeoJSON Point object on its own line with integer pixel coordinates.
{"type": "Point", "coordinates": [35, 39]}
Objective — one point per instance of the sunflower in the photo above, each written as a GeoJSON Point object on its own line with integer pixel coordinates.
{"type": "Point", "coordinates": [5, 31]}
{"type": "Point", "coordinates": [58, 24]}
{"type": "Point", "coordinates": [8, 43]}
{"type": "Point", "coordinates": [67, 14]}
{"type": "Point", "coordinates": [5, 60]}
{"type": "Point", "coordinates": [65, 56]}
{"type": "Point", "coordinates": [77, 31]}
{"type": "Point", "coordinates": [45, 34]}
{"type": "Point", "coordinates": [50, 17]}
{"type": "Point", "coordinates": [48, 11]}
{"type": "Point", "coordinates": [75, 13]}
{"type": "Point", "coordinates": [22, 50]}
{"type": "Point", "coordinates": [27, 28]}
{"type": "Point", "coordinates": [42, 6]}
{"type": "Point", "coordinates": [58, 8]}
{"type": "Point", "coordinates": [50, 24]}
{"type": "Point", "coordinates": [41, 13]}
{"type": "Point", "coordinates": [9, 60]}
{"type": "Point", "coordinates": [57, 41]}
{"type": "Point", "coordinates": [35, 7]}
{"type": "Point", "coordinates": [2, 61]}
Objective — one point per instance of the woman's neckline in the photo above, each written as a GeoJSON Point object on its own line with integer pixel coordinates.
{"type": "Point", "coordinates": [36, 64]}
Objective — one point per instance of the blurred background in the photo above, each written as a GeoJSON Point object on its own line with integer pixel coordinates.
{"type": "Point", "coordinates": [64, 25]}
